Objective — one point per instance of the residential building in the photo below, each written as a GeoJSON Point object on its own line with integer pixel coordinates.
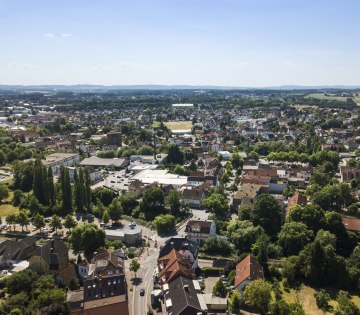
{"type": "Point", "coordinates": [199, 230]}
{"type": "Point", "coordinates": [247, 270]}
{"type": "Point", "coordinates": [173, 265]}
{"type": "Point", "coordinates": [105, 288]}
{"type": "Point", "coordinates": [53, 258]}
{"type": "Point", "coordinates": [56, 160]}
{"type": "Point", "coordinates": [193, 197]}
{"type": "Point", "coordinates": [181, 298]}
{"type": "Point", "coordinates": [14, 251]}
{"type": "Point", "coordinates": [187, 248]}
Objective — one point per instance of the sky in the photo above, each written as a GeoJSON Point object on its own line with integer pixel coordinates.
{"type": "Point", "coordinates": [242, 43]}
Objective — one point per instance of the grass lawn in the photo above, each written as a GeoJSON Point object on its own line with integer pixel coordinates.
{"type": "Point", "coordinates": [306, 297]}
{"type": "Point", "coordinates": [156, 124]}
{"type": "Point", "coordinates": [6, 209]}
{"type": "Point", "coordinates": [179, 125]}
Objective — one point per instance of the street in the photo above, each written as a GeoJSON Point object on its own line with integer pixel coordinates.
{"type": "Point", "coordinates": [138, 305]}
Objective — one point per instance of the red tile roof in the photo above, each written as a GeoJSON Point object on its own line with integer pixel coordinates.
{"type": "Point", "coordinates": [297, 199]}
{"type": "Point", "coordinates": [351, 224]}
{"type": "Point", "coordinates": [248, 269]}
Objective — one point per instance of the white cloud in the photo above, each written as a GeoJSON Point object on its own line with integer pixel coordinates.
{"type": "Point", "coordinates": [49, 35]}
{"type": "Point", "coordinates": [66, 34]}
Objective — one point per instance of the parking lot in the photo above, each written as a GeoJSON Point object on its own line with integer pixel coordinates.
{"type": "Point", "coordinates": [117, 180]}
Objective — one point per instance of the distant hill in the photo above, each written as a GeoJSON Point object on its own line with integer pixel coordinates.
{"type": "Point", "coordinates": [89, 87]}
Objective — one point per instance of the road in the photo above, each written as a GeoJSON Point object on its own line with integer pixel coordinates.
{"type": "Point", "coordinates": [148, 260]}
{"type": "Point", "coordinates": [139, 304]}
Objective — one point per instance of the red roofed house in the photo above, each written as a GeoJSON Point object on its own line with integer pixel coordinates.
{"type": "Point", "coordinates": [172, 266]}
{"type": "Point", "coordinates": [351, 224]}
{"type": "Point", "coordinates": [247, 270]}
{"type": "Point", "coordinates": [297, 199]}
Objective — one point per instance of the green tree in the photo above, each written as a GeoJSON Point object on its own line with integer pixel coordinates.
{"type": "Point", "coordinates": [152, 203]}
{"type": "Point", "coordinates": [217, 204]}
{"type": "Point", "coordinates": [243, 234]}
{"type": "Point", "coordinates": [105, 195]}
{"type": "Point", "coordinates": [219, 288]}
{"type": "Point", "coordinates": [234, 302]}
{"type": "Point", "coordinates": [115, 210]}
{"type": "Point", "coordinates": [353, 267]}
{"type": "Point", "coordinates": [244, 212]}
{"type": "Point", "coordinates": [134, 266]}
{"type": "Point", "coordinates": [293, 237]}
{"type": "Point", "coordinates": [106, 217]}
{"type": "Point", "coordinates": [283, 308]}
{"type": "Point", "coordinates": [66, 189]}
{"type": "Point", "coordinates": [4, 192]}
{"type": "Point", "coordinates": [322, 300]}
{"type": "Point", "coordinates": [51, 187]}
{"type": "Point", "coordinates": [257, 295]}
{"type": "Point", "coordinates": [128, 203]}
{"type": "Point", "coordinates": [173, 200]}
{"type": "Point", "coordinates": [78, 192]}
{"type": "Point", "coordinates": [345, 305]}
{"type": "Point", "coordinates": [165, 223]}
{"type": "Point", "coordinates": [11, 219]}
{"type": "Point", "coordinates": [236, 161]}
{"type": "Point", "coordinates": [22, 218]}
{"type": "Point", "coordinates": [175, 156]}
{"type": "Point", "coordinates": [69, 222]}
{"type": "Point", "coordinates": [40, 188]}
{"type": "Point", "coordinates": [87, 238]}
{"type": "Point", "coordinates": [21, 281]}
{"type": "Point", "coordinates": [216, 245]}
{"type": "Point", "coordinates": [17, 197]}
{"type": "Point", "coordinates": [311, 215]}
{"type": "Point", "coordinates": [2, 158]}
{"type": "Point", "coordinates": [87, 190]}
{"type": "Point", "coordinates": [38, 221]}
{"type": "Point", "coordinates": [267, 213]}
{"type": "Point", "coordinates": [55, 222]}
{"type": "Point", "coordinates": [320, 265]}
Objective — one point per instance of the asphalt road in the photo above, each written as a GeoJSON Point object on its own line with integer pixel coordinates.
{"type": "Point", "coordinates": [139, 304]}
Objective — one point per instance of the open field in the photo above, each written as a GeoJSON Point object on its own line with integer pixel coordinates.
{"type": "Point", "coordinates": [306, 297]}
{"type": "Point", "coordinates": [322, 96]}
{"type": "Point", "coordinates": [6, 209]}
{"type": "Point", "coordinates": [179, 125]}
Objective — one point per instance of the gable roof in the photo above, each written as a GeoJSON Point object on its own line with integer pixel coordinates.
{"type": "Point", "coordinates": [18, 250]}
{"type": "Point", "coordinates": [184, 299]}
{"type": "Point", "coordinates": [54, 252]}
{"type": "Point", "coordinates": [174, 265]}
{"type": "Point", "coordinates": [248, 269]}
{"type": "Point", "coordinates": [297, 199]}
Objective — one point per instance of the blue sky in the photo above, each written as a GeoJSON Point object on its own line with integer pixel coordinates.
{"type": "Point", "coordinates": [208, 42]}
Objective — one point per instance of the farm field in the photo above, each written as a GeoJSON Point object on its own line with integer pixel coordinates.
{"type": "Point", "coordinates": [179, 125]}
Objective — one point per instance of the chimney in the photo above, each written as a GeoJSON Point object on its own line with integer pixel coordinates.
{"type": "Point", "coordinates": [186, 287]}
{"type": "Point", "coordinates": [52, 246]}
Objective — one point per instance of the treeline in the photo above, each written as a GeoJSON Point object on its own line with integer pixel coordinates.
{"type": "Point", "coordinates": [47, 196]}
{"type": "Point", "coordinates": [11, 150]}
{"type": "Point", "coordinates": [314, 159]}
